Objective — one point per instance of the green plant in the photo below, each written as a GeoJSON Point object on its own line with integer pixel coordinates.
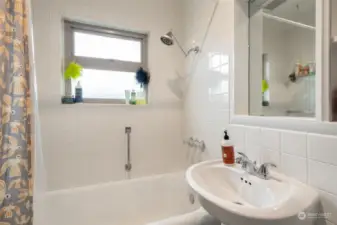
{"type": "Point", "coordinates": [73, 71]}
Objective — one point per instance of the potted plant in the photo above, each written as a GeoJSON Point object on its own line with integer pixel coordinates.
{"type": "Point", "coordinates": [73, 72]}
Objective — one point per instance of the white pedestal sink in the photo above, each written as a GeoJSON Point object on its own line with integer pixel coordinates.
{"type": "Point", "coordinates": [238, 198]}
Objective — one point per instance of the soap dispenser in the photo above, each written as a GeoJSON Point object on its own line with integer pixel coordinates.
{"type": "Point", "coordinates": [227, 150]}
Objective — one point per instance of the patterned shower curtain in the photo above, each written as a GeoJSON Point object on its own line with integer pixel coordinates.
{"type": "Point", "coordinates": [16, 150]}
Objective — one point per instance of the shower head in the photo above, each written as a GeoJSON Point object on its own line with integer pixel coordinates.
{"type": "Point", "coordinates": [168, 38]}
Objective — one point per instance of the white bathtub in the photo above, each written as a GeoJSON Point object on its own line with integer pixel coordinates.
{"type": "Point", "coordinates": [131, 202]}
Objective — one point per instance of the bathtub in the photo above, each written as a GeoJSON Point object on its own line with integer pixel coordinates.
{"type": "Point", "coordinates": [130, 202]}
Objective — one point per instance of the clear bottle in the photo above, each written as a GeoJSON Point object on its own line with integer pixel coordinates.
{"type": "Point", "coordinates": [133, 99]}
{"type": "Point", "coordinates": [78, 93]}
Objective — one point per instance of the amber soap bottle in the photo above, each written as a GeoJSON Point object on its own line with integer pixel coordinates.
{"type": "Point", "coordinates": [227, 151]}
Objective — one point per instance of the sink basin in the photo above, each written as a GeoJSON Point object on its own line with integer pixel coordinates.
{"type": "Point", "coordinates": [238, 198]}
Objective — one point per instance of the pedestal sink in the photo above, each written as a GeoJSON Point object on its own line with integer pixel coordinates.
{"type": "Point", "coordinates": [238, 198]}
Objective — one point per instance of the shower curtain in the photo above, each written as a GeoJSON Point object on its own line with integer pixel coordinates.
{"type": "Point", "coordinates": [16, 147]}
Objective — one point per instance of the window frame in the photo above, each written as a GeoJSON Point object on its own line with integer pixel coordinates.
{"type": "Point", "coordinates": [70, 27]}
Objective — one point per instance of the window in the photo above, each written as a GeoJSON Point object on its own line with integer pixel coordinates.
{"type": "Point", "coordinates": [110, 59]}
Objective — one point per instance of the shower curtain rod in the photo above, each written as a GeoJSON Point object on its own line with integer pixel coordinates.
{"type": "Point", "coordinates": [283, 20]}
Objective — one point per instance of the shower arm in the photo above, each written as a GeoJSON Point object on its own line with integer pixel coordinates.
{"type": "Point", "coordinates": [180, 47]}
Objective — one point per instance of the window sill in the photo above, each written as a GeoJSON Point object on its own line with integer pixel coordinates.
{"type": "Point", "coordinates": [102, 104]}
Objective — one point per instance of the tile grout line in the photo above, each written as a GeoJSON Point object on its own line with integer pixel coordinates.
{"type": "Point", "coordinates": [321, 162]}
{"type": "Point", "coordinates": [327, 192]}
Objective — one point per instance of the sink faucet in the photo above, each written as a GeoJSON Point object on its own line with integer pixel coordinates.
{"type": "Point", "coordinates": [251, 168]}
{"type": "Point", "coordinates": [263, 171]}
{"type": "Point", "coordinates": [246, 163]}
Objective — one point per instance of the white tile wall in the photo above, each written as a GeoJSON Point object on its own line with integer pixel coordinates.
{"type": "Point", "coordinates": [85, 144]}
{"type": "Point", "coordinates": [238, 137]}
{"type": "Point", "coordinates": [294, 143]}
{"type": "Point", "coordinates": [323, 176]}
{"type": "Point", "coordinates": [295, 166]}
{"type": "Point", "coordinates": [206, 105]}
{"type": "Point", "coordinates": [327, 148]}
{"type": "Point", "coordinates": [271, 139]}
{"type": "Point", "coordinates": [310, 158]}
{"type": "Point", "coordinates": [253, 136]}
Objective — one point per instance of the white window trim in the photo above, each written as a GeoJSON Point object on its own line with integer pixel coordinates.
{"type": "Point", "coordinates": [70, 27]}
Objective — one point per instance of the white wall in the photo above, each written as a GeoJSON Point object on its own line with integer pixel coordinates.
{"type": "Point", "coordinates": [301, 48]}
{"type": "Point", "coordinates": [256, 44]}
{"type": "Point", "coordinates": [85, 144]}
{"type": "Point", "coordinates": [207, 93]}
{"type": "Point", "coordinates": [287, 45]}
{"type": "Point", "coordinates": [275, 45]}
{"type": "Point", "coordinates": [241, 33]}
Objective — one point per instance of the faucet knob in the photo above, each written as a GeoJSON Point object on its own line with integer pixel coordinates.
{"type": "Point", "coordinates": [202, 146]}
{"type": "Point", "coordinates": [242, 159]}
{"type": "Point", "coordinates": [243, 155]}
{"type": "Point", "coordinates": [191, 142]}
{"type": "Point", "coordinates": [263, 171]}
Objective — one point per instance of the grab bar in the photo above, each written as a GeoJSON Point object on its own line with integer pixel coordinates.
{"type": "Point", "coordinates": [128, 165]}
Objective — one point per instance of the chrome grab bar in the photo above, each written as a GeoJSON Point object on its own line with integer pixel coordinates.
{"type": "Point", "coordinates": [128, 165]}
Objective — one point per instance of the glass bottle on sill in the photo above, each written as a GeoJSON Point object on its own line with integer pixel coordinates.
{"type": "Point", "coordinates": [133, 99]}
{"type": "Point", "coordinates": [141, 97]}
{"type": "Point", "coordinates": [78, 93]}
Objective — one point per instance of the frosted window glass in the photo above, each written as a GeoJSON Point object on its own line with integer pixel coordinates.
{"type": "Point", "coordinates": [101, 84]}
{"type": "Point", "coordinates": [95, 46]}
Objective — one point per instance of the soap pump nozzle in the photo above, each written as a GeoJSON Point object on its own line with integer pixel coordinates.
{"type": "Point", "coordinates": [226, 137]}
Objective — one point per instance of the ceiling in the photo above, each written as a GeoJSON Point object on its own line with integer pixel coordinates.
{"type": "Point", "coordinates": [302, 11]}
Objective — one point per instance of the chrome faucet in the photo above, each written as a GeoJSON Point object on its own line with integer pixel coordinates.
{"type": "Point", "coordinates": [251, 168]}
{"type": "Point", "coordinates": [263, 171]}
{"type": "Point", "coordinates": [246, 163]}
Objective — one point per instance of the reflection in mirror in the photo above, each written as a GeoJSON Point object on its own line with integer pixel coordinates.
{"type": "Point", "coordinates": [333, 60]}
{"type": "Point", "coordinates": [282, 58]}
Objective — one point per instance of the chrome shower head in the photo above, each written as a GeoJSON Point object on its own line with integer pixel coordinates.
{"type": "Point", "coordinates": [167, 39]}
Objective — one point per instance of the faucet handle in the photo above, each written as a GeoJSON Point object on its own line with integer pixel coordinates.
{"type": "Point", "coordinates": [202, 146]}
{"type": "Point", "coordinates": [243, 155]}
{"type": "Point", "coordinates": [263, 171]}
{"type": "Point", "coordinates": [191, 142]}
{"type": "Point", "coordinates": [243, 158]}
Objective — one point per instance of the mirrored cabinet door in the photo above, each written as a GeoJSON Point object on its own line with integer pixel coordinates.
{"type": "Point", "coordinates": [282, 65]}
{"type": "Point", "coordinates": [333, 59]}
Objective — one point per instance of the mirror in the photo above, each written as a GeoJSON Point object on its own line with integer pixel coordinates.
{"type": "Point", "coordinates": [333, 60]}
{"type": "Point", "coordinates": [282, 64]}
